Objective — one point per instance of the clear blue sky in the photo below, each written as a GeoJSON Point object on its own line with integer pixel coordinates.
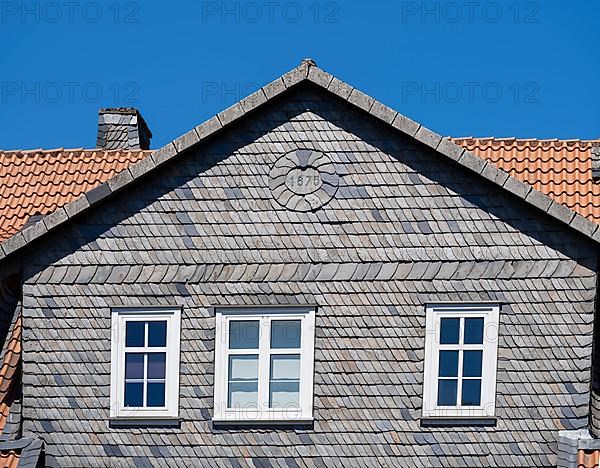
{"type": "Point", "coordinates": [506, 68]}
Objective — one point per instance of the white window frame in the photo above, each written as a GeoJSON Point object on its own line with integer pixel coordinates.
{"type": "Point", "coordinates": [120, 316]}
{"type": "Point", "coordinates": [434, 314]}
{"type": "Point", "coordinates": [265, 315]}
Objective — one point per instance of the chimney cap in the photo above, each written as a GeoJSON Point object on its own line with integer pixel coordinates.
{"type": "Point", "coordinates": [119, 110]}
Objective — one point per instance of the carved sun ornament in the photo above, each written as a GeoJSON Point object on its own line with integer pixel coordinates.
{"type": "Point", "coordinates": [303, 180]}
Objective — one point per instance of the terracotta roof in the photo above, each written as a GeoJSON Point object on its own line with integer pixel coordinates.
{"type": "Point", "coordinates": [40, 181]}
{"type": "Point", "coordinates": [588, 458]}
{"type": "Point", "coordinates": [562, 169]}
{"type": "Point", "coordinates": [9, 458]}
{"type": "Point", "coordinates": [10, 363]}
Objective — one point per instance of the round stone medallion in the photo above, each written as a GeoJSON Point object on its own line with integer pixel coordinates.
{"type": "Point", "coordinates": [303, 180]}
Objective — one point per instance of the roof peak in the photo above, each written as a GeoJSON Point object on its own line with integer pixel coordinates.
{"type": "Point", "coordinates": [306, 72]}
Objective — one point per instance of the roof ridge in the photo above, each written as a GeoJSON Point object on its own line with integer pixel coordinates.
{"type": "Point", "coordinates": [524, 140]}
{"type": "Point", "coordinates": [306, 72]}
{"type": "Point", "coordinates": [66, 150]}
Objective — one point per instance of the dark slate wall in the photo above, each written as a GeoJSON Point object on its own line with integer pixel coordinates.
{"type": "Point", "coordinates": [406, 227]}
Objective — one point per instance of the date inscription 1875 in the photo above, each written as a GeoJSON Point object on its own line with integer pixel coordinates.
{"type": "Point", "coordinates": [303, 181]}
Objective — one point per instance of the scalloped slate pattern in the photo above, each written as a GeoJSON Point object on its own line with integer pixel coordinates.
{"type": "Point", "coordinates": [405, 227]}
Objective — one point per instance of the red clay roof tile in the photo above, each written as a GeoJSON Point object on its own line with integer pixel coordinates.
{"type": "Point", "coordinates": [10, 363]}
{"type": "Point", "coordinates": [40, 181]}
{"type": "Point", "coordinates": [9, 458]}
{"type": "Point", "coordinates": [588, 458]}
{"type": "Point", "coordinates": [562, 169]}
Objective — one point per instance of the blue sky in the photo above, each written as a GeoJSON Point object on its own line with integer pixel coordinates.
{"type": "Point", "coordinates": [506, 68]}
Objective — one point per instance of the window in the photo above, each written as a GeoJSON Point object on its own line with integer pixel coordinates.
{"type": "Point", "coordinates": [460, 360]}
{"type": "Point", "coordinates": [145, 363]}
{"type": "Point", "coordinates": [264, 364]}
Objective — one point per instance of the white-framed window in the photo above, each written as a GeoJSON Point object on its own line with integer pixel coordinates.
{"type": "Point", "coordinates": [145, 363]}
{"type": "Point", "coordinates": [461, 346]}
{"type": "Point", "coordinates": [264, 361]}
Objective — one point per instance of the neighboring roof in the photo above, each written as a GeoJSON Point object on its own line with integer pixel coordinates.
{"type": "Point", "coordinates": [10, 364]}
{"type": "Point", "coordinates": [307, 71]}
{"type": "Point", "coordinates": [562, 169]}
{"type": "Point", "coordinates": [10, 458]}
{"type": "Point", "coordinates": [24, 453]}
{"type": "Point", "coordinates": [38, 182]}
{"type": "Point", "coordinates": [588, 458]}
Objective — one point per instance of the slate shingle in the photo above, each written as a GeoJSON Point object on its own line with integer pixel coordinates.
{"type": "Point", "coordinates": [369, 276]}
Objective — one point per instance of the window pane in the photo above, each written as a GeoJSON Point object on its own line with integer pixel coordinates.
{"type": "Point", "coordinates": [156, 394]}
{"type": "Point", "coordinates": [243, 334]}
{"type": "Point", "coordinates": [243, 395]}
{"type": "Point", "coordinates": [156, 365]}
{"type": "Point", "coordinates": [157, 333]}
{"type": "Point", "coordinates": [243, 381]}
{"type": "Point", "coordinates": [449, 330]}
{"type": "Point", "coordinates": [134, 394]}
{"type": "Point", "coordinates": [134, 366]}
{"type": "Point", "coordinates": [448, 364]}
{"type": "Point", "coordinates": [447, 392]}
{"type": "Point", "coordinates": [471, 392]}
{"type": "Point", "coordinates": [134, 333]}
{"type": "Point", "coordinates": [474, 331]}
{"type": "Point", "coordinates": [285, 334]}
{"type": "Point", "coordinates": [285, 367]}
{"type": "Point", "coordinates": [243, 367]}
{"type": "Point", "coordinates": [472, 363]}
{"type": "Point", "coordinates": [285, 394]}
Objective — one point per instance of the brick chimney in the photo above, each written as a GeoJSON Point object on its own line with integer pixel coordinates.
{"type": "Point", "coordinates": [122, 128]}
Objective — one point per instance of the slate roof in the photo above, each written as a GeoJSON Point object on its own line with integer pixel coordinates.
{"type": "Point", "coordinates": [405, 229]}
{"type": "Point", "coordinates": [562, 169]}
{"type": "Point", "coordinates": [38, 182]}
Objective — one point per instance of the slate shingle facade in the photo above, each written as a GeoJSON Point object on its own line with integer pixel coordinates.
{"type": "Point", "coordinates": [405, 227]}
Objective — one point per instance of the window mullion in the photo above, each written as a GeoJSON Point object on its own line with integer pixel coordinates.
{"type": "Point", "coordinates": [144, 381]}
{"type": "Point", "coordinates": [264, 362]}
{"type": "Point", "coordinates": [460, 347]}
{"type": "Point", "coordinates": [459, 381]}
